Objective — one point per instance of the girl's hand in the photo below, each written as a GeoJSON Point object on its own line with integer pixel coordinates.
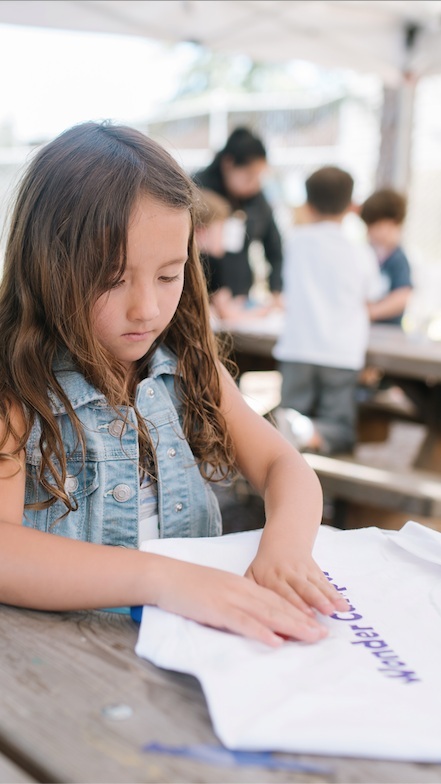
{"type": "Point", "coordinates": [300, 581]}
{"type": "Point", "coordinates": [231, 602]}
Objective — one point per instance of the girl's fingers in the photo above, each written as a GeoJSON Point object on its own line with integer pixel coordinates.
{"type": "Point", "coordinates": [284, 589]}
{"type": "Point", "coordinates": [320, 595]}
{"type": "Point", "coordinates": [273, 633]}
{"type": "Point", "coordinates": [237, 604]}
{"type": "Point", "coordinates": [279, 616]}
{"type": "Point", "coordinates": [333, 595]}
{"type": "Point", "coordinates": [304, 591]}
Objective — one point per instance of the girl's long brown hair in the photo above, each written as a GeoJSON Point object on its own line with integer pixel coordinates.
{"type": "Point", "coordinates": [66, 245]}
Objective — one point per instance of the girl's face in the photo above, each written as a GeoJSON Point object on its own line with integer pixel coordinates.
{"type": "Point", "coordinates": [130, 316]}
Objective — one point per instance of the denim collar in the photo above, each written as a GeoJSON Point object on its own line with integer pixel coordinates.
{"type": "Point", "coordinates": [80, 392]}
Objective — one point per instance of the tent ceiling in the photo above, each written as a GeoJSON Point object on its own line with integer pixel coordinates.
{"type": "Point", "coordinates": [386, 37]}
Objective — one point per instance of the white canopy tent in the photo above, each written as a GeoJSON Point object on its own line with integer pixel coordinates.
{"type": "Point", "coordinates": [387, 37]}
{"type": "Point", "coordinates": [399, 40]}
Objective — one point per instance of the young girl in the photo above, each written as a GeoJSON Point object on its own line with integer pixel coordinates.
{"type": "Point", "coordinates": [116, 411]}
{"type": "Point", "coordinates": [215, 228]}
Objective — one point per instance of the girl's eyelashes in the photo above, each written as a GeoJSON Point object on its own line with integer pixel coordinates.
{"type": "Point", "coordinates": [163, 278]}
{"type": "Point", "coordinates": [173, 278]}
{"type": "Point", "coordinates": [117, 284]}
{"type": "Point", "coordinates": [166, 279]}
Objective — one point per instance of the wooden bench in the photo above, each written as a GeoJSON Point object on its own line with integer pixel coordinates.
{"type": "Point", "coordinates": [380, 475]}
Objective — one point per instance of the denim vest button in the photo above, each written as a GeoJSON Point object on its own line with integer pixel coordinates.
{"type": "Point", "coordinates": [179, 507]}
{"type": "Point", "coordinates": [150, 392]}
{"type": "Point", "coordinates": [71, 484]}
{"type": "Point", "coordinates": [171, 452]}
{"type": "Point", "coordinates": [117, 428]}
{"type": "Point", "coordinates": [122, 493]}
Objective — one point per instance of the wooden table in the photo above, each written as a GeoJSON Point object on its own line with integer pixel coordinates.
{"type": "Point", "coordinates": [389, 349]}
{"type": "Point", "coordinates": [409, 361]}
{"type": "Point", "coordinates": [414, 362]}
{"type": "Point", "coordinates": [404, 355]}
{"type": "Point", "coordinates": [78, 705]}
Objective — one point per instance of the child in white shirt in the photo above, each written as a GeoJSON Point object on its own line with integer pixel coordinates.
{"type": "Point", "coordinates": [328, 281]}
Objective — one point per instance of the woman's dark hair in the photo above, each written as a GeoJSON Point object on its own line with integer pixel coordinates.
{"type": "Point", "coordinates": [243, 147]}
{"type": "Point", "coordinates": [66, 247]}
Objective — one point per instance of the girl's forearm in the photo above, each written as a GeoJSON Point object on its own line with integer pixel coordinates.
{"type": "Point", "coordinates": [49, 572]}
{"type": "Point", "coordinates": [293, 503]}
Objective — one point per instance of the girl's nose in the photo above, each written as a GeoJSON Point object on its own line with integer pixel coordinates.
{"type": "Point", "coordinates": [143, 304]}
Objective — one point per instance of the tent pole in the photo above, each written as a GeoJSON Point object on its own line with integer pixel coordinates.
{"type": "Point", "coordinates": [394, 166]}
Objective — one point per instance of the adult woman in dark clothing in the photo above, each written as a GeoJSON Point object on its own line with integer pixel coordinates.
{"type": "Point", "coordinates": [236, 173]}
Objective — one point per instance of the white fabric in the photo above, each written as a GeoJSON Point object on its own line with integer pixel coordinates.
{"type": "Point", "coordinates": [327, 281]}
{"type": "Point", "coordinates": [372, 688]}
{"type": "Point", "coordinates": [148, 523]}
{"type": "Point", "coordinates": [148, 528]}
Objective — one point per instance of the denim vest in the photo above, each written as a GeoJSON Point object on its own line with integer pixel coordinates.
{"type": "Point", "coordinates": [106, 485]}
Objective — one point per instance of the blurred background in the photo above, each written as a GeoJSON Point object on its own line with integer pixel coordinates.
{"type": "Point", "coordinates": [356, 84]}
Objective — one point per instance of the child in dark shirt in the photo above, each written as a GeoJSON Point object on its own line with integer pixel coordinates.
{"type": "Point", "coordinates": [384, 213]}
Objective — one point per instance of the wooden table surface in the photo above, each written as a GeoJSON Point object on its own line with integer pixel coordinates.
{"type": "Point", "coordinates": [389, 349]}
{"type": "Point", "coordinates": [405, 355]}
{"type": "Point", "coordinates": [78, 705]}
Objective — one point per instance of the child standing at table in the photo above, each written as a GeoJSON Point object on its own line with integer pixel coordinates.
{"type": "Point", "coordinates": [327, 282]}
{"type": "Point", "coordinates": [384, 213]}
{"type": "Point", "coordinates": [116, 411]}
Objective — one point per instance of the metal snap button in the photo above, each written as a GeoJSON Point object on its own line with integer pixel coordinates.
{"type": "Point", "coordinates": [171, 452]}
{"type": "Point", "coordinates": [179, 507]}
{"type": "Point", "coordinates": [71, 484]}
{"type": "Point", "coordinates": [150, 392]}
{"type": "Point", "coordinates": [122, 493]}
{"type": "Point", "coordinates": [117, 428]}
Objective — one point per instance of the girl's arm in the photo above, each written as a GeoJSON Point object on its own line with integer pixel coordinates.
{"type": "Point", "coordinates": [49, 572]}
{"type": "Point", "coordinates": [293, 507]}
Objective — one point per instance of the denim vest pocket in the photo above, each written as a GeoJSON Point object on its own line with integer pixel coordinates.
{"type": "Point", "coordinates": [81, 482]}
